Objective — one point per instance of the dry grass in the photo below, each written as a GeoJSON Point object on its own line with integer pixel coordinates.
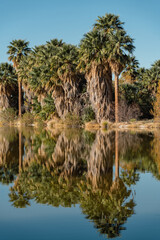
{"type": "Point", "coordinates": [149, 124]}
{"type": "Point", "coordinates": [59, 123]}
{"type": "Point", "coordinates": [92, 125]}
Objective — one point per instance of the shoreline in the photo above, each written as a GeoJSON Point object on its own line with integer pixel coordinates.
{"type": "Point", "coordinates": [149, 125]}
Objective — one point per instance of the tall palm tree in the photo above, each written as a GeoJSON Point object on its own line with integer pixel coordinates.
{"type": "Point", "coordinates": [103, 52]}
{"type": "Point", "coordinates": [118, 46]}
{"type": "Point", "coordinates": [94, 63]}
{"type": "Point", "coordinates": [121, 45]}
{"type": "Point", "coordinates": [18, 49]}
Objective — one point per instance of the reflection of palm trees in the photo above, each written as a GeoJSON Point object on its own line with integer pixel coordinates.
{"type": "Point", "coordinates": [117, 181]}
{"type": "Point", "coordinates": [70, 153]}
{"type": "Point", "coordinates": [100, 161]}
{"type": "Point", "coordinates": [78, 170]}
{"type": "Point", "coordinates": [8, 155]}
{"type": "Point", "coordinates": [108, 210]}
{"type": "Point", "coordinates": [20, 150]}
{"type": "Point", "coordinates": [107, 207]}
{"type": "Point", "coordinates": [138, 153]}
{"type": "Point", "coordinates": [71, 168]}
{"type": "Point", "coordinates": [19, 198]}
{"type": "Point", "coordinates": [116, 156]}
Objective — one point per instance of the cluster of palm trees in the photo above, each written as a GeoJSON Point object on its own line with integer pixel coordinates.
{"type": "Point", "coordinates": [140, 86]}
{"type": "Point", "coordinates": [106, 51]}
{"type": "Point", "coordinates": [57, 68]}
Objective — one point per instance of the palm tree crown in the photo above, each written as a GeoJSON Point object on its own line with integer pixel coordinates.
{"type": "Point", "coordinates": [109, 23]}
{"type": "Point", "coordinates": [17, 49]}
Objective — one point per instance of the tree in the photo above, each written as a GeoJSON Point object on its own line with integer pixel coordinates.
{"type": "Point", "coordinates": [71, 79]}
{"type": "Point", "coordinates": [156, 107]}
{"type": "Point", "coordinates": [109, 23]}
{"type": "Point", "coordinates": [120, 43]}
{"type": "Point", "coordinates": [154, 77]}
{"type": "Point", "coordinates": [103, 52]}
{"type": "Point", "coordinates": [50, 71]}
{"type": "Point", "coordinates": [118, 47]}
{"type": "Point", "coordinates": [18, 49]}
{"type": "Point", "coordinates": [8, 86]}
{"type": "Point", "coordinates": [130, 73]}
{"type": "Point", "coordinates": [93, 61]}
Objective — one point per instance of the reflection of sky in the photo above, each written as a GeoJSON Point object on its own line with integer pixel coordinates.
{"type": "Point", "coordinates": [44, 222]}
{"type": "Point", "coordinates": [145, 223]}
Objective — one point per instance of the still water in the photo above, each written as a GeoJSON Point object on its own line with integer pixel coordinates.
{"type": "Point", "coordinates": [74, 184]}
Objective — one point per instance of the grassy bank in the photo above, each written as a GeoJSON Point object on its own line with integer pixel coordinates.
{"type": "Point", "coordinates": [75, 122]}
{"type": "Point", "coordinates": [146, 124]}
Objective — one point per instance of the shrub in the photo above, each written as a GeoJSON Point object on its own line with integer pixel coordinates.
{"type": "Point", "coordinates": [88, 114]}
{"type": "Point", "coordinates": [45, 112]}
{"type": "Point", "coordinates": [28, 118]}
{"type": "Point", "coordinates": [104, 124]}
{"type": "Point", "coordinates": [133, 120]}
{"type": "Point", "coordinates": [8, 115]}
{"type": "Point", "coordinates": [128, 111]}
{"type": "Point", "coordinates": [72, 119]}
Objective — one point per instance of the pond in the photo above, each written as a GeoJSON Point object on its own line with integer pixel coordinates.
{"type": "Point", "coordinates": [76, 184]}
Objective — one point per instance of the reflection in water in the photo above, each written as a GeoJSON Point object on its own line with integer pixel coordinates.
{"type": "Point", "coordinates": [8, 155]}
{"type": "Point", "coordinates": [116, 157]}
{"type": "Point", "coordinates": [76, 167]}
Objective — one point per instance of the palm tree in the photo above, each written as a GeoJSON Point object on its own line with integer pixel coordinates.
{"type": "Point", "coordinates": [39, 71]}
{"type": "Point", "coordinates": [70, 78]}
{"type": "Point", "coordinates": [108, 23]}
{"type": "Point", "coordinates": [8, 86]}
{"type": "Point", "coordinates": [154, 77]}
{"type": "Point", "coordinates": [94, 63]}
{"type": "Point", "coordinates": [118, 46]}
{"type": "Point", "coordinates": [103, 52]}
{"type": "Point", "coordinates": [130, 73]}
{"type": "Point", "coordinates": [18, 49]}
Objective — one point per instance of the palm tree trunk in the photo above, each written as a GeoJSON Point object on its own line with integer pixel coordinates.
{"type": "Point", "coordinates": [20, 98]}
{"type": "Point", "coordinates": [99, 87]}
{"type": "Point", "coordinates": [116, 156]}
{"type": "Point", "coordinates": [116, 98]}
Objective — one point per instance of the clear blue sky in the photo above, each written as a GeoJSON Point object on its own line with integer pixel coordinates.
{"type": "Point", "coordinates": [38, 21]}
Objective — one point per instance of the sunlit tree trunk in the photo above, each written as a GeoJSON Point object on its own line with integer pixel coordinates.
{"type": "Point", "coordinates": [20, 98]}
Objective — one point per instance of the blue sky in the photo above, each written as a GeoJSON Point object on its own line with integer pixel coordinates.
{"type": "Point", "coordinates": [38, 21]}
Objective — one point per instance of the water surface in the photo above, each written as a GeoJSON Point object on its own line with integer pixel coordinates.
{"type": "Point", "coordinates": [74, 184]}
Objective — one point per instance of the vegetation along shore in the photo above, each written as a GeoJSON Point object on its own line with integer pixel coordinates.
{"type": "Point", "coordinates": [98, 83]}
